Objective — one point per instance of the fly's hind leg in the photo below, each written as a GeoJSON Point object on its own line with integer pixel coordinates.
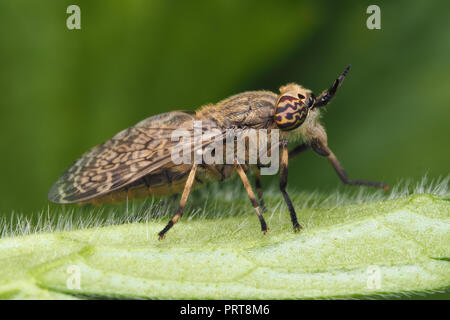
{"type": "Point", "coordinates": [184, 197]}
{"type": "Point", "coordinates": [258, 185]}
{"type": "Point", "coordinates": [251, 195]}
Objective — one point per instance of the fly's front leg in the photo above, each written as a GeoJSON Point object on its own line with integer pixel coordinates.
{"type": "Point", "coordinates": [299, 149]}
{"type": "Point", "coordinates": [251, 195]}
{"type": "Point", "coordinates": [283, 184]}
{"type": "Point", "coordinates": [258, 185]}
{"type": "Point", "coordinates": [322, 149]}
{"type": "Point", "coordinates": [184, 197]}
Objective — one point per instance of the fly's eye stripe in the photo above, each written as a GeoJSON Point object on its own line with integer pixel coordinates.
{"type": "Point", "coordinates": [290, 113]}
{"type": "Point", "coordinates": [291, 124]}
{"type": "Point", "coordinates": [286, 98]}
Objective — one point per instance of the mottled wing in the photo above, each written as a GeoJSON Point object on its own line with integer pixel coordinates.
{"type": "Point", "coordinates": [126, 157]}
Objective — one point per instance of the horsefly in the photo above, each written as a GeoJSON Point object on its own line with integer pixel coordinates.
{"type": "Point", "coordinates": [174, 152]}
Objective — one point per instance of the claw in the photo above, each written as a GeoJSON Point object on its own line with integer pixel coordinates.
{"type": "Point", "coordinates": [297, 228]}
{"type": "Point", "coordinates": [161, 237]}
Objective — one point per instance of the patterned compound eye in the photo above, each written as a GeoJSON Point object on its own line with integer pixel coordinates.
{"type": "Point", "coordinates": [290, 112]}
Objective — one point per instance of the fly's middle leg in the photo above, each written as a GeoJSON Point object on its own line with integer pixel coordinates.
{"type": "Point", "coordinates": [184, 197]}
{"type": "Point", "coordinates": [251, 195]}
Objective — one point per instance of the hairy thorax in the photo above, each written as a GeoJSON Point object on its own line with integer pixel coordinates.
{"type": "Point", "coordinates": [253, 109]}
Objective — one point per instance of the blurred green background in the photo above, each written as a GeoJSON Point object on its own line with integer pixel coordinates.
{"type": "Point", "coordinates": [63, 91]}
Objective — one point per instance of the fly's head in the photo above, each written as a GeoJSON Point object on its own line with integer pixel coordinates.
{"type": "Point", "coordinates": [292, 106]}
{"type": "Point", "coordinates": [295, 104]}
